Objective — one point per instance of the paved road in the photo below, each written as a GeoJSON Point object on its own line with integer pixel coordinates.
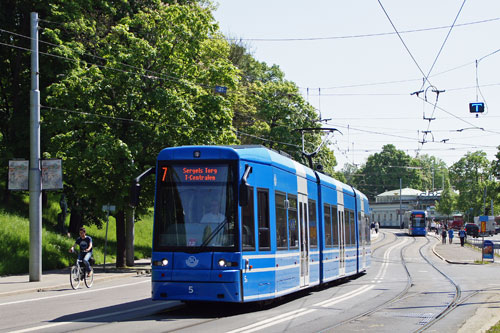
{"type": "Point", "coordinates": [387, 298]}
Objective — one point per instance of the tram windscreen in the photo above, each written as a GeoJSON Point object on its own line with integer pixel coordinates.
{"type": "Point", "coordinates": [418, 220]}
{"type": "Point", "coordinates": [194, 208]}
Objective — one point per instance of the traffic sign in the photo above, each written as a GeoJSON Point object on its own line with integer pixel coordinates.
{"type": "Point", "coordinates": [477, 107]}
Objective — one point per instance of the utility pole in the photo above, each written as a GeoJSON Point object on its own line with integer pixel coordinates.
{"type": "Point", "coordinates": [35, 184]}
{"type": "Point", "coordinates": [400, 201]}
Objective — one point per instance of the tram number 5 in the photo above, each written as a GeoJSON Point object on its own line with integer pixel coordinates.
{"type": "Point", "coordinates": [190, 289]}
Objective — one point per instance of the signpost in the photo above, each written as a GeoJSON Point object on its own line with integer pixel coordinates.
{"type": "Point", "coordinates": [488, 252]}
{"type": "Point", "coordinates": [107, 208]}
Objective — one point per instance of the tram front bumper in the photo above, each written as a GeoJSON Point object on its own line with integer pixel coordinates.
{"type": "Point", "coordinates": [197, 291]}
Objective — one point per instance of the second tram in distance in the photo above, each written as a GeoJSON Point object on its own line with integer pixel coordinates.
{"type": "Point", "coordinates": [243, 224]}
{"type": "Point", "coordinates": [415, 222]}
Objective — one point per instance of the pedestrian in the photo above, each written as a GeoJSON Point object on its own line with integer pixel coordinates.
{"type": "Point", "coordinates": [376, 227]}
{"type": "Point", "coordinates": [450, 234]}
{"type": "Point", "coordinates": [443, 235]}
{"type": "Point", "coordinates": [372, 226]}
{"type": "Point", "coordinates": [461, 234]}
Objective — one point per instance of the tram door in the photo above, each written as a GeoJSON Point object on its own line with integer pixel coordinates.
{"type": "Point", "coordinates": [362, 238]}
{"type": "Point", "coordinates": [304, 240]}
{"type": "Point", "coordinates": [341, 219]}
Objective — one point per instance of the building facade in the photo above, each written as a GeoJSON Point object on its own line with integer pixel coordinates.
{"type": "Point", "coordinates": [389, 207]}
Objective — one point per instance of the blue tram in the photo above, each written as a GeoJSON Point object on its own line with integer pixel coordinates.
{"type": "Point", "coordinates": [245, 223]}
{"type": "Point", "coordinates": [415, 222]}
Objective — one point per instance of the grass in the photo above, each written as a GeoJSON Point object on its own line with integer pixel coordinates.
{"type": "Point", "coordinates": [494, 329]}
{"type": "Point", "coordinates": [15, 239]}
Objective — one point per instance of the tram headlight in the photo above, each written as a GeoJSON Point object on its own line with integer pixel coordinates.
{"type": "Point", "coordinates": [222, 263]}
{"type": "Point", "coordinates": [163, 262]}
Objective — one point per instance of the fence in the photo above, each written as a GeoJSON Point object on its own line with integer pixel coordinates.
{"type": "Point", "coordinates": [478, 242]}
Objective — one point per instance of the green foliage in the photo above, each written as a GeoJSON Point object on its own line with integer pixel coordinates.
{"type": "Point", "coordinates": [160, 69]}
{"type": "Point", "coordinates": [383, 171]}
{"type": "Point", "coordinates": [447, 202]}
{"type": "Point", "coordinates": [14, 248]}
{"type": "Point", "coordinates": [433, 170]}
{"type": "Point", "coordinates": [471, 175]}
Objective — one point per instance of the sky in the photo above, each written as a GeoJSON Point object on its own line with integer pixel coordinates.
{"type": "Point", "coordinates": [358, 63]}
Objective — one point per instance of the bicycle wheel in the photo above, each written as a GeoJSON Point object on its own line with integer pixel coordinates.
{"type": "Point", "coordinates": [89, 280]}
{"type": "Point", "coordinates": [74, 277]}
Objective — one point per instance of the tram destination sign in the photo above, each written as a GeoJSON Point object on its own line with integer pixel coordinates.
{"type": "Point", "coordinates": [198, 173]}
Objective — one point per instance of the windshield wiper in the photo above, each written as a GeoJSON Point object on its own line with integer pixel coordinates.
{"type": "Point", "coordinates": [215, 232]}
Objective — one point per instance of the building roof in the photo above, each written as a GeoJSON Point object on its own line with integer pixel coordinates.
{"type": "Point", "coordinates": [404, 192]}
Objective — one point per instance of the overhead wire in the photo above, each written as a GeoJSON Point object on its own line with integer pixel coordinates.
{"type": "Point", "coordinates": [402, 41]}
{"type": "Point", "coordinates": [159, 75]}
{"type": "Point", "coordinates": [360, 35]}
{"type": "Point", "coordinates": [437, 91]}
{"type": "Point", "coordinates": [163, 124]}
{"type": "Point", "coordinates": [15, 46]}
{"type": "Point", "coordinates": [445, 40]}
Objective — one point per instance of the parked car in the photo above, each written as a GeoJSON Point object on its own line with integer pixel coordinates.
{"type": "Point", "coordinates": [472, 230]}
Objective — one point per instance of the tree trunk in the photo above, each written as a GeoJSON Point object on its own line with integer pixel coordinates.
{"type": "Point", "coordinates": [75, 221]}
{"type": "Point", "coordinates": [6, 192]}
{"type": "Point", "coordinates": [120, 239]}
{"type": "Point", "coordinates": [130, 237]}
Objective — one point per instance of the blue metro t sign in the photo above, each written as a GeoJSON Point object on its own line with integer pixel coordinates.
{"type": "Point", "coordinates": [477, 107]}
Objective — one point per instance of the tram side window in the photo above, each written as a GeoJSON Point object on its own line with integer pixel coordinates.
{"type": "Point", "coordinates": [352, 225]}
{"type": "Point", "coordinates": [335, 226]}
{"type": "Point", "coordinates": [248, 223]}
{"type": "Point", "coordinates": [347, 228]}
{"type": "Point", "coordinates": [281, 225]}
{"type": "Point", "coordinates": [293, 226]}
{"type": "Point", "coordinates": [313, 225]}
{"type": "Point", "coordinates": [263, 219]}
{"type": "Point", "coordinates": [328, 226]}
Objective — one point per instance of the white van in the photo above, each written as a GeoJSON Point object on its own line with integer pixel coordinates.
{"type": "Point", "coordinates": [489, 225]}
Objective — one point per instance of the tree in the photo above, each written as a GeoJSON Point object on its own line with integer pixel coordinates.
{"type": "Point", "coordinates": [269, 109]}
{"type": "Point", "coordinates": [470, 176]}
{"type": "Point", "coordinates": [434, 172]}
{"type": "Point", "coordinates": [15, 79]}
{"type": "Point", "coordinates": [383, 171]}
{"type": "Point", "coordinates": [495, 169]}
{"type": "Point", "coordinates": [145, 82]}
{"type": "Point", "coordinates": [446, 204]}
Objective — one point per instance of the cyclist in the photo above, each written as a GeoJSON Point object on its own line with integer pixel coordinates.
{"type": "Point", "coordinates": [85, 243]}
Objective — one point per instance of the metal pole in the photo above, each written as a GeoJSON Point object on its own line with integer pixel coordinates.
{"type": "Point", "coordinates": [400, 202]}
{"type": "Point", "coordinates": [485, 200]}
{"type": "Point", "coordinates": [35, 184]}
{"type": "Point", "coordinates": [106, 239]}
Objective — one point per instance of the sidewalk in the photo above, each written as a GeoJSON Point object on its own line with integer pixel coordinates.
{"type": "Point", "coordinates": [456, 254]}
{"type": "Point", "coordinates": [59, 279]}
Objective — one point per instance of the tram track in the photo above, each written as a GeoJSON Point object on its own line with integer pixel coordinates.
{"type": "Point", "coordinates": [450, 306]}
{"type": "Point", "coordinates": [396, 298]}
{"type": "Point", "coordinates": [456, 298]}
{"type": "Point", "coordinates": [375, 249]}
{"type": "Point", "coordinates": [401, 296]}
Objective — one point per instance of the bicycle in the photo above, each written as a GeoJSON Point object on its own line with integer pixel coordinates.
{"type": "Point", "coordinates": [77, 274]}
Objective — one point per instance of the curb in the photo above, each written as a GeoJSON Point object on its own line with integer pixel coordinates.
{"type": "Point", "coordinates": [451, 261]}
{"type": "Point", "coordinates": [139, 271]}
